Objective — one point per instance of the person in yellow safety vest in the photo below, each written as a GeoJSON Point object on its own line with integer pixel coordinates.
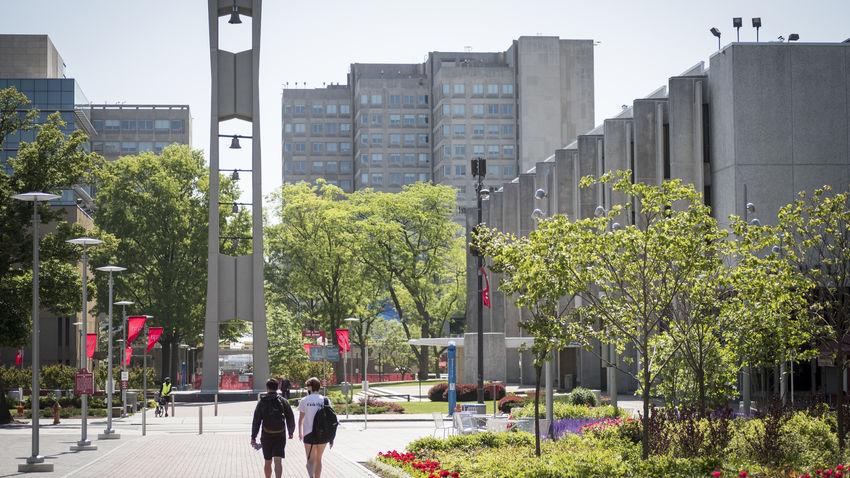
{"type": "Point", "coordinates": [165, 394]}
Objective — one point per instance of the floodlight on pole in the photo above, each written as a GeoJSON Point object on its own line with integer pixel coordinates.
{"type": "Point", "coordinates": [714, 31]}
{"type": "Point", "coordinates": [479, 171]}
{"type": "Point", "coordinates": [757, 25]}
{"type": "Point", "coordinates": [793, 37]}
{"type": "Point", "coordinates": [35, 462]}
{"type": "Point", "coordinates": [124, 304]}
{"type": "Point", "coordinates": [84, 443]}
{"type": "Point", "coordinates": [736, 24]}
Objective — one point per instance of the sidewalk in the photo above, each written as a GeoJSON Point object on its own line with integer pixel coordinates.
{"type": "Point", "coordinates": [173, 446]}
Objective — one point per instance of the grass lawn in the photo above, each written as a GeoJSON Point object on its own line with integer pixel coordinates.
{"type": "Point", "coordinates": [428, 407]}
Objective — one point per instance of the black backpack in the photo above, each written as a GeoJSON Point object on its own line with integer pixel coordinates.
{"type": "Point", "coordinates": [325, 423]}
{"type": "Point", "coordinates": [273, 419]}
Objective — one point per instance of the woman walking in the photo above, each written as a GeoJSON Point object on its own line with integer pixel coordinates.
{"type": "Point", "coordinates": [314, 447]}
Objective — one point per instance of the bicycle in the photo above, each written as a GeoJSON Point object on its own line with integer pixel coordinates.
{"type": "Point", "coordinates": [160, 405]}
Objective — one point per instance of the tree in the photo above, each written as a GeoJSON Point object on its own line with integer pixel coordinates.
{"type": "Point", "coordinates": [285, 342]}
{"type": "Point", "coordinates": [413, 250]}
{"type": "Point", "coordinates": [392, 347]}
{"type": "Point", "coordinates": [51, 163]}
{"type": "Point", "coordinates": [815, 240]}
{"type": "Point", "coordinates": [311, 253]}
{"type": "Point", "coordinates": [152, 213]}
{"type": "Point", "coordinates": [532, 271]}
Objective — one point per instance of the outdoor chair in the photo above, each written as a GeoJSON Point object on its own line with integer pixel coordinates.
{"type": "Point", "coordinates": [440, 425]}
{"type": "Point", "coordinates": [466, 424]}
{"type": "Point", "coordinates": [497, 425]}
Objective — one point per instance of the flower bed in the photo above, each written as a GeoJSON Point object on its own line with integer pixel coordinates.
{"type": "Point", "coordinates": [409, 463]}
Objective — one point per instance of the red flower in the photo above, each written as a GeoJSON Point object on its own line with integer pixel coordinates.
{"type": "Point", "coordinates": [715, 474]}
{"type": "Point", "coordinates": [455, 475]}
{"type": "Point", "coordinates": [840, 467]}
{"type": "Point", "coordinates": [743, 474]}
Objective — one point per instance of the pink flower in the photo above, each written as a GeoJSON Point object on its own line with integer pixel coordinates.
{"type": "Point", "coordinates": [743, 474]}
{"type": "Point", "coordinates": [715, 474]}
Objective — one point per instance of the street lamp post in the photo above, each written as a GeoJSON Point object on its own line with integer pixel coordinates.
{"type": "Point", "coordinates": [145, 376]}
{"type": "Point", "coordinates": [84, 443]}
{"type": "Point", "coordinates": [35, 462]}
{"type": "Point", "coordinates": [611, 351]}
{"type": "Point", "coordinates": [348, 353]}
{"type": "Point", "coordinates": [109, 432]}
{"type": "Point", "coordinates": [479, 171]}
{"type": "Point", "coordinates": [538, 215]}
{"type": "Point", "coordinates": [749, 208]}
{"type": "Point", "coordinates": [123, 355]}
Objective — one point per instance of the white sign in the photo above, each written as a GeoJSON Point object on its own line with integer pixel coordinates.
{"type": "Point", "coordinates": [125, 375]}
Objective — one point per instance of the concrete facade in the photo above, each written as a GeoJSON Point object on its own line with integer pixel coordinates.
{"type": "Point", "coordinates": [771, 117]}
{"type": "Point", "coordinates": [425, 122]}
{"type": "Point", "coordinates": [123, 130]}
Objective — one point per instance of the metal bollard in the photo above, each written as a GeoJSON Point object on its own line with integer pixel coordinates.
{"type": "Point", "coordinates": [200, 420]}
{"type": "Point", "coordinates": [172, 405]}
{"type": "Point", "coordinates": [144, 415]}
{"type": "Point", "coordinates": [56, 409]}
{"type": "Point", "coordinates": [215, 413]}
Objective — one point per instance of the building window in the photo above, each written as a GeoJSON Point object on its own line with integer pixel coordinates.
{"type": "Point", "coordinates": [317, 109]}
{"type": "Point", "coordinates": [331, 166]}
{"type": "Point", "coordinates": [460, 150]}
{"type": "Point", "coordinates": [300, 128]}
{"type": "Point", "coordinates": [161, 125]}
{"type": "Point", "coordinates": [478, 150]}
{"type": "Point", "coordinates": [145, 125]}
{"type": "Point", "coordinates": [395, 100]}
{"type": "Point", "coordinates": [507, 130]}
{"type": "Point", "coordinates": [422, 120]}
{"type": "Point", "coordinates": [145, 147]}
{"type": "Point", "coordinates": [409, 178]}
{"type": "Point", "coordinates": [492, 130]}
{"type": "Point", "coordinates": [364, 178]}
{"type": "Point", "coordinates": [395, 159]}
{"type": "Point", "coordinates": [447, 151]}
{"type": "Point", "coordinates": [377, 99]}
{"type": "Point", "coordinates": [300, 166]}
{"type": "Point", "coordinates": [447, 109]}
{"type": "Point", "coordinates": [507, 90]}
{"type": "Point", "coordinates": [507, 109]}
{"type": "Point", "coordinates": [287, 109]}
{"type": "Point", "coordinates": [460, 130]}
{"type": "Point", "coordinates": [317, 128]}
{"type": "Point", "coordinates": [423, 159]}
{"type": "Point", "coordinates": [98, 125]}
{"type": "Point", "coordinates": [331, 128]}
{"type": "Point", "coordinates": [408, 100]}
{"type": "Point", "coordinates": [378, 178]}
{"type": "Point", "coordinates": [317, 147]}
{"type": "Point", "coordinates": [331, 147]}
{"type": "Point", "coordinates": [159, 146]}
{"type": "Point", "coordinates": [508, 171]}
{"type": "Point", "coordinates": [286, 147]}
{"type": "Point", "coordinates": [395, 179]}
{"type": "Point", "coordinates": [364, 120]}
{"type": "Point", "coordinates": [345, 147]}
{"type": "Point", "coordinates": [112, 125]}
{"type": "Point", "coordinates": [377, 119]}
{"type": "Point", "coordinates": [345, 184]}
{"type": "Point", "coordinates": [300, 109]}
{"type": "Point", "coordinates": [460, 89]}
{"type": "Point", "coordinates": [477, 110]}
{"type": "Point", "coordinates": [395, 120]}
{"type": "Point", "coordinates": [493, 109]}
{"type": "Point", "coordinates": [492, 171]}
{"type": "Point", "coordinates": [493, 150]}
{"type": "Point", "coordinates": [377, 139]}
{"type": "Point", "coordinates": [128, 147]}
{"type": "Point", "coordinates": [460, 170]}
{"type": "Point", "coordinates": [460, 109]}
{"type": "Point", "coordinates": [409, 139]}
{"type": "Point", "coordinates": [447, 170]}
{"type": "Point", "coordinates": [128, 125]}
{"type": "Point", "coordinates": [112, 147]}
{"type": "Point", "coordinates": [287, 128]}
{"type": "Point", "coordinates": [177, 126]}
{"type": "Point", "coordinates": [331, 109]}
{"type": "Point", "coordinates": [447, 130]}
{"type": "Point", "coordinates": [316, 166]}
{"type": "Point", "coordinates": [477, 89]}
{"type": "Point", "coordinates": [345, 128]}
{"type": "Point", "coordinates": [395, 139]}
{"type": "Point", "coordinates": [478, 130]}
{"type": "Point", "coordinates": [364, 99]}
{"type": "Point", "coordinates": [508, 150]}
{"type": "Point", "coordinates": [423, 139]}
{"type": "Point", "coordinates": [345, 166]}
{"type": "Point", "coordinates": [492, 89]}
{"type": "Point", "coordinates": [364, 159]}
{"type": "Point", "coordinates": [300, 147]}
{"type": "Point", "coordinates": [345, 109]}
{"type": "Point", "coordinates": [446, 89]}
{"type": "Point", "coordinates": [422, 99]}
{"type": "Point", "coordinates": [423, 177]}
{"type": "Point", "coordinates": [364, 139]}
{"type": "Point", "coordinates": [410, 159]}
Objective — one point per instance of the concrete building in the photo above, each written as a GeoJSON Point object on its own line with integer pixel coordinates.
{"type": "Point", "coordinates": [396, 124]}
{"type": "Point", "coordinates": [770, 119]}
{"type": "Point", "coordinates": [125, 129]}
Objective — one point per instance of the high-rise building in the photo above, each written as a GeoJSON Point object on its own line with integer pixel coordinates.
{"type": "Point", "coordinates": [396, 124]}
{"type": "Point", "coordinates": [125, 129]}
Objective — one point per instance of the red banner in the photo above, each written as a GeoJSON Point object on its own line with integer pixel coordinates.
{"type": "Point", "coordinates": [307, 348]}
{"type": "Point", "coordinates": [153, 337]}
{"type": "Point", "coordinates": [136, 322]}
{"type": "Point", "coordinates": [91, 343]}
{"type": "Point", "coordinates": [485, 294]}
{"type": "Point", "coordinates": [127, 354]}
{"type": "Point", "coordinates": [20, 357]}
{"type": "Point", "coordinates": [342, 339]}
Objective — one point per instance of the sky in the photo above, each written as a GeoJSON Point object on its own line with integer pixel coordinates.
{"type": "Point", "coordinates": [157, 51]}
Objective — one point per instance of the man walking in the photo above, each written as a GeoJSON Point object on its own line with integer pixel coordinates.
{"type": "Point", "coordinates": [275, 415]}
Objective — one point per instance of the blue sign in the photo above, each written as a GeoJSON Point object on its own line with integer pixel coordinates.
{"type": "Point", "coordinates": [331, 353]}
{"type": "Point", "coordinates": [452, 358]}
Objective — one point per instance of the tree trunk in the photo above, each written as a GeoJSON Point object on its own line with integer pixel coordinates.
{"type": "Point", "coordinates": [644, 453]}
{"type": "Point", "coordinates": [423, 362]}
{"type": "Point", "coordinates": [537, 369]}
{"type": "Point", "coordinates": [841, 399]}
{"type": "Point", "coordinates": [5, 416]}
{"type": "Point", "coordinates": [701, 391]}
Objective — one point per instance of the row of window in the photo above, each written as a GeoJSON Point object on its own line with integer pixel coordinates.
{"type": "Point", "coordinates": [409, 139]}
{"type": "Point", "coordinates": [318, 128]}
{"type": "Point", "coordinates": [507, 150]}
{"type": "Point", "coordinates": [318, 147]}
{"type": "Point", "coordinates": [492, 109]}
{"type": "Point", "coordinates": [377, 179]}
{"type": "Point", "coordinates": [128, 147]}
{"type": "Point", "coordinates": [377, 159]}
{"type": "Point", "coordinates": [478, 89]}
{"type": "Point", "coordinates": [319, 166]}
{"type": "Point", "coordinates": [318, 109]}
{"type": "Point", "coordinates": [395, 120]}
{"type": "Point", "coordinates": [160, 125]}
{"type": "Point", "coordinates": [507, 130]}
{"type": "Point", "coordinates": [492, 171]}
{"type": "Point", "coordinates": [394, 100]}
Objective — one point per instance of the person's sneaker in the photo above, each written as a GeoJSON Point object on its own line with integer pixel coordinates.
{"type": "Point", "coordinates": [166, 414]}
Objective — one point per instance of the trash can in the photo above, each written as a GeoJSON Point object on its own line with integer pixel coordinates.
{"type": "Point", "coordinates": [478, 408]}
{"type": "Point", "coordinates": [132, 398]}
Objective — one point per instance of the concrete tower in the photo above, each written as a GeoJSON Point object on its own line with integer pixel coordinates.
{"type": "Point", "coordinates": [235, 284]}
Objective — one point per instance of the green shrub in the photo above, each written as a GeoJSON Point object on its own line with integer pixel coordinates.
{"type": "Point", "coordinates": [583, 396]}
{"type": "Point", "coordinates": [509, 402]}
{"type": "Point", "coordinates": [465, 391]}
{"type": "Point", "coordinates": [562, 410]}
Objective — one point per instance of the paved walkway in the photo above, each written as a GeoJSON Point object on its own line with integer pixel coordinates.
{"type": "Point", "coordinates": [173, 447]}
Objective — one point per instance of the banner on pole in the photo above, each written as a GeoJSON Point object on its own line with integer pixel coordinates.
{"type": "Point", "coordinates": [91, 343]}
{"type": "Point", "coordinates": [485, 294]}
{"type": "Point", "coordinates": [153, 337]}
{"type": "Point", "coordinates": [307, 348]}
{"type": "Point", "coordinates": [20, 357]}
{"type": "Point", "coordinates": [128, 352]}
{"type": "Point", "coordinates": [135, 324]}
{"type": "Point", "coordinates": [342, 338]}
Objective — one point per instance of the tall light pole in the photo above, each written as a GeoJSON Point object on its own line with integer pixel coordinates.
{"type": "Point", "coordinates": [479, 171]}
{"type": "Point", "coordinates": [35, 462]}
{"type": "Point", "coordinates": [123, 355]}
{"type": "Point", "coordinates": [610, 352]}
{"type": "Point", "coordinates": [109, 432]}
{"type": "Point", "coordinates": [749, 208]}
{"type": "Point", "coordinates": [538, 215]}
{"type": "Point", "coordinates": [145, 376]}
{"type": "Point", "coordinates": [84, 443]}
{"type": "Point", "coordinates": [348, 353]}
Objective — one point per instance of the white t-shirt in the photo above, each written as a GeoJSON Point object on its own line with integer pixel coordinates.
{"type": "Point", "coordinates": [309, 405]}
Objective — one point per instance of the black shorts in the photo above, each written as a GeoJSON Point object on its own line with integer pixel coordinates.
{"type": "Point", "coordinates": [272, 445]}
{"type": "Point", "coordinates": [312, 439]}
